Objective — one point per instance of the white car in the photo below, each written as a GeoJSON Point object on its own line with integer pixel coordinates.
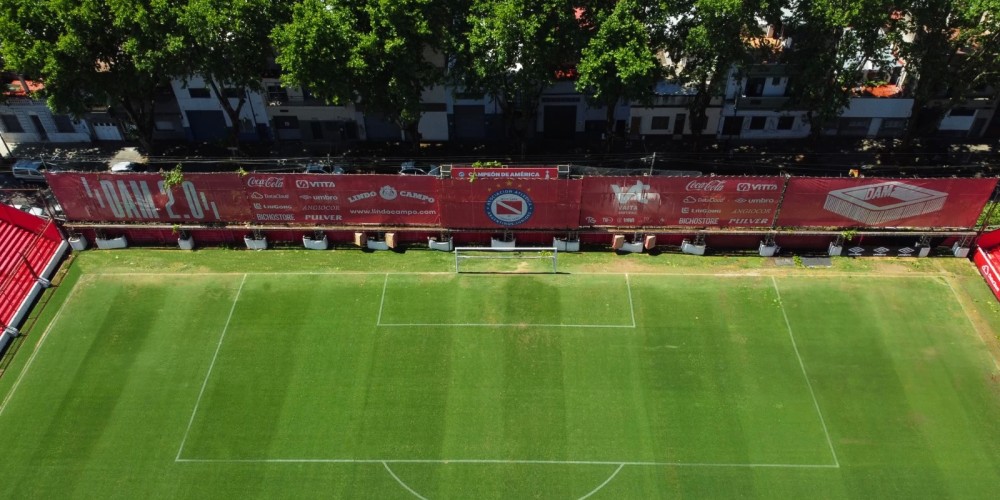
{"type": "Point", "coordinates": [125, 166]}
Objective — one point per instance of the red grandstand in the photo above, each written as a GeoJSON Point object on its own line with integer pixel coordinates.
{"type": "Point", "coordinates": [30, 250]}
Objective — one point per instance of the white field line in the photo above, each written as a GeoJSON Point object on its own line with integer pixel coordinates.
{"type": "Point", "coordinates": [378, 320]}
{"type": "Point", "coordinates": [871, 275]}
{"type": "Point", "coordinates": [470, 461]}
{"type": "Point", "coordinates": [211, 366]}
{"type": "Point", "coordinates": [805, 374]}
{"type": "Point", "coordinates": [401, 483]}
{"type": "Point", "coordinates": [38, 346]}
{"type": "Point", "coordinates": [968, 318]}
{"type": "Point", "coordinates": [631, 307]}
{"type": "Point", "coordinates": [605, 483]}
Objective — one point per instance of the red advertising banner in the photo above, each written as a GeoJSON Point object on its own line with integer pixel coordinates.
{"type": "Point", "coordinates": [510, 204]}
{"type": "Point", "coordinates": [680, 201]}
{"type": "Point", "coordinates": [343, 199]}
{"type": "Point", "coordinates": [261, 198]}
{"type": "Point", "coordinates": [844, 202]}
{"type": "Point", "coordinates": [103, 197]}
{"type": "Point", "coordinates": [987, 267]}
{"type": "Point", "coordinates": [513, 173]}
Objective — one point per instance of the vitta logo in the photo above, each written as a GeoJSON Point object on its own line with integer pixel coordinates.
{"type": "Point", "coordinates": [715, 185]}
{"type": "Point", "coordinates": [639, 193]}
{"type": "Point", "coordinates": [755, 186]}
{"type": "Point", "coordinates": [509, 207]}
{"type": "Point", "coordinates": [266, 182]}
{"type": "Point", "coordinates": [307, 184]}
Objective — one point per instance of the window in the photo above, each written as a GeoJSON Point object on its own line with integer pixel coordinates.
{"type": "Point", "coordinates": [11, 124]}
{"type": "Point", "coordinates": [755, 87]}
{"type": "Point", "coordinates": [64, 124]}
{"type": "Point", "coordinates": [201, 93]}
{"type": "Point", "coordinates": [232, 93]}
{"type": "Point", "coordinates": [893, 123]}
{"type": "Point", "coordinates": [962, 112]}
{"type": "Point", "coordinates": [758, 122]}
{"type": "Point", "coordinates": [660, 123]}
{"type": "Point", "coordinates": [786, 122]}
{"type": "Point", "coordinates": [277, 94]}
{"type": "Point", "coordinates": [164, 125]}
{"type": "Point", "coordinates": [247, 125]}
{"type": "Point", "coordinates": [776, 81]}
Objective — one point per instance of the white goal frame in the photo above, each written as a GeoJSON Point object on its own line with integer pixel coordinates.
{"type": "Point", "coordinates": [505, 253]}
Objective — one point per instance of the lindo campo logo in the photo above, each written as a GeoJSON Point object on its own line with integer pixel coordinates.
{"type": "Point", "coordinates": [884, 202]}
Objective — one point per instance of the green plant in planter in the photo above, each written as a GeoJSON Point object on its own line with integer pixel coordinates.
{"type": "Point", "coordinates": [487, 164]}
{"type": "Point", "coordinates": [849, 234]}
{"type": "Point", "coordinates": [173, 177]}
{"type": "Point", "coordinates": [241, 172]}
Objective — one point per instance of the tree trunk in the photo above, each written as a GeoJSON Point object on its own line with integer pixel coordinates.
{"type": "Point", "coordinates": [609, 125]}
{"type": "Point", "coordinates": [142, 119]}
{"type": "Point", "coordinates": [233, 113]}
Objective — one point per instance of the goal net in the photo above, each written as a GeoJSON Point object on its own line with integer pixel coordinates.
{"type": "Point", "coordinates": [506, 260]}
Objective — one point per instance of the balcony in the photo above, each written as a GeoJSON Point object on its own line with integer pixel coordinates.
{"type": "Point", "coordinates": [761, 103]}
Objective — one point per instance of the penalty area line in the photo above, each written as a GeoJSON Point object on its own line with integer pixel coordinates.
{"type": "Point", "coordinates": [467, 461]}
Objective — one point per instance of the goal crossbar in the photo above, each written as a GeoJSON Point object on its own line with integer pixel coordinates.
{"type": "Point", "coordinates": [506, 253]}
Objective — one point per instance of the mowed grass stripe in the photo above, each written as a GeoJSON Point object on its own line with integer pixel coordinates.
{"type": "Point", "coordinates": [506, 300]}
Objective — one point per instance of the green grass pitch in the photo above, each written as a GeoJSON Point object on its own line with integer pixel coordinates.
{"type": "Point", "coordinates": [161, 375]}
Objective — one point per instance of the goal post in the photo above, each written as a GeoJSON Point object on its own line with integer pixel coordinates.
{"type": "Point", "coordinates": [506, 260]}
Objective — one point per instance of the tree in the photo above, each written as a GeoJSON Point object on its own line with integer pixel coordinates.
{"type": "Point", "coordinates": [951, 48]}
{"type": "Point", "coordinates": [833, 43]}
{"type": "Point", "coordinates": [514, 50]}
{"type": "Point", "coordinates": [377, 51]}
{"type": "Point", "coordinates": [226, 42]}
{"type": "Point", "coordinates": [619, 60]}
{"type": "Point", "coordinates": [93, 53]}
{"type": "Point", "coordinates": [704, 41]}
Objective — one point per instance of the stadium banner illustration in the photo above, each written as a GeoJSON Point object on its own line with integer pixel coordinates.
{"type": "Point", "coordinates": [680, 201]}
{"type": "Point", "coordinates": [141, 197]}
{"type": "Point", "coordinates": [873, 202]}
{"type": "Point", "coordinates": [513, 173]}
{"type": "Point", "coordinates": [342, 199]}
{"type": "Point", "coordinates": [260, 198]}
{"type": "Point", "coordinates": [510, 204]}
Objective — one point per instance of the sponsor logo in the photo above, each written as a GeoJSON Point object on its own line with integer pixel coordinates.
{"type": "Point", "coordinates": [323, 217]}
{"type": "Point", "coordinates": [755, 201]}
{"type": "Point", "coordinates": [262, 206]}
{"type": "Point", "coordinates": [701, 221]}
{"type": "Point", "coordinates": [361, 196]}
{"type": "Point", "coordinates": [756, 186]}
{"type": "Point", "coordinates": [275, 217]}
{"type": "Point", "coordinates": [988, 273]}
{"type": "Point", "coordinates": [308, 184]}
{"type": "Point", "coordinates": [416, 196]}
{"type": "Point", "coordinates": [387, 193]}
{"type": "Point", "coordinates": [266, 182]}
{"type": "Point", "coordinates": [267, 196]}
{"type": "Point", "coordinates": [319, 197]}
{"type": "Point", "coordinates": [590, 220]}
{"type": "Point", "coordinates": [509, 207]}
{"type": "Point", "coordinates": [715, 185]}
{"type": "Point", "coordinates": [855, 251]}
{"type": "Point", "coordinates": [884, 202]}
{"type": "Point", "coordinates": [751, 211]}
{"type": "Point", "coordinates": [703, 199]}
{"type": "Point", "coordinates": [906, 252]}
{"type": "Point", "coordinates": [686, 210]}
{"type": "Point", "coordinates": [321, 207]}
{"type": "Point", "coordinates": [749, 222]}
{"type": "Point", "coordinates": [639, 193]}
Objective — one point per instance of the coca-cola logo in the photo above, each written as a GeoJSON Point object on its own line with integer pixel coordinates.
{"type": "Point", "coordinates": [266, 182]}
{"type": "Point", "coordinates": [714, 185]}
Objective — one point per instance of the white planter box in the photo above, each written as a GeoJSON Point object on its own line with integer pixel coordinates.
{"type": "Point", "coordinates": [78, 243]}
{"type": "Point", "coordinates": [444, 246]}
{"type": "Point", "coordinates": [313, 244]}
{"type": "Point", "coordinates": [254, 243]}
{"type": "Point", "coordinates": [631, 247]}
{"type": "Point", "coordinates": [377, 245]}
{"type": "Point", "coordinates": [923, 251]}
{"type": "Point", "coordinates": [565, 245]}
{"type": "Point", "coordinates": [495, 243]}
{"type": "Point", "coordinates": [112, 243]}
{"type": "Point", "coordinates": [689, 248]}
{"type": "Point", "coordinates": [186, 243]}
{"type": "Point", "coordinates": [835, 250]}
{"type": "Point", "coordinates": [959, 251]}
{"type": "Point", "coordinates": [767, 250]}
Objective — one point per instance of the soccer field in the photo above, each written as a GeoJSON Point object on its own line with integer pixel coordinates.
{"type": "Point", "coordinates": [645, 383]}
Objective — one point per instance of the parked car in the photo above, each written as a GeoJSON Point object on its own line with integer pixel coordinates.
{"type": "Point", "coordinates": [32, 170]}
{"type": "Point", "coordinates": [319, 168]}
{"type": "Point", "coordinates": [126, 166]}
{"type": "Point", "coordinates": [412, 168]}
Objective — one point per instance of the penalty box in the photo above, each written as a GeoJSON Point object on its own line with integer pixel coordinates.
{"type": "Point", "coordinates": [339, 391]}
